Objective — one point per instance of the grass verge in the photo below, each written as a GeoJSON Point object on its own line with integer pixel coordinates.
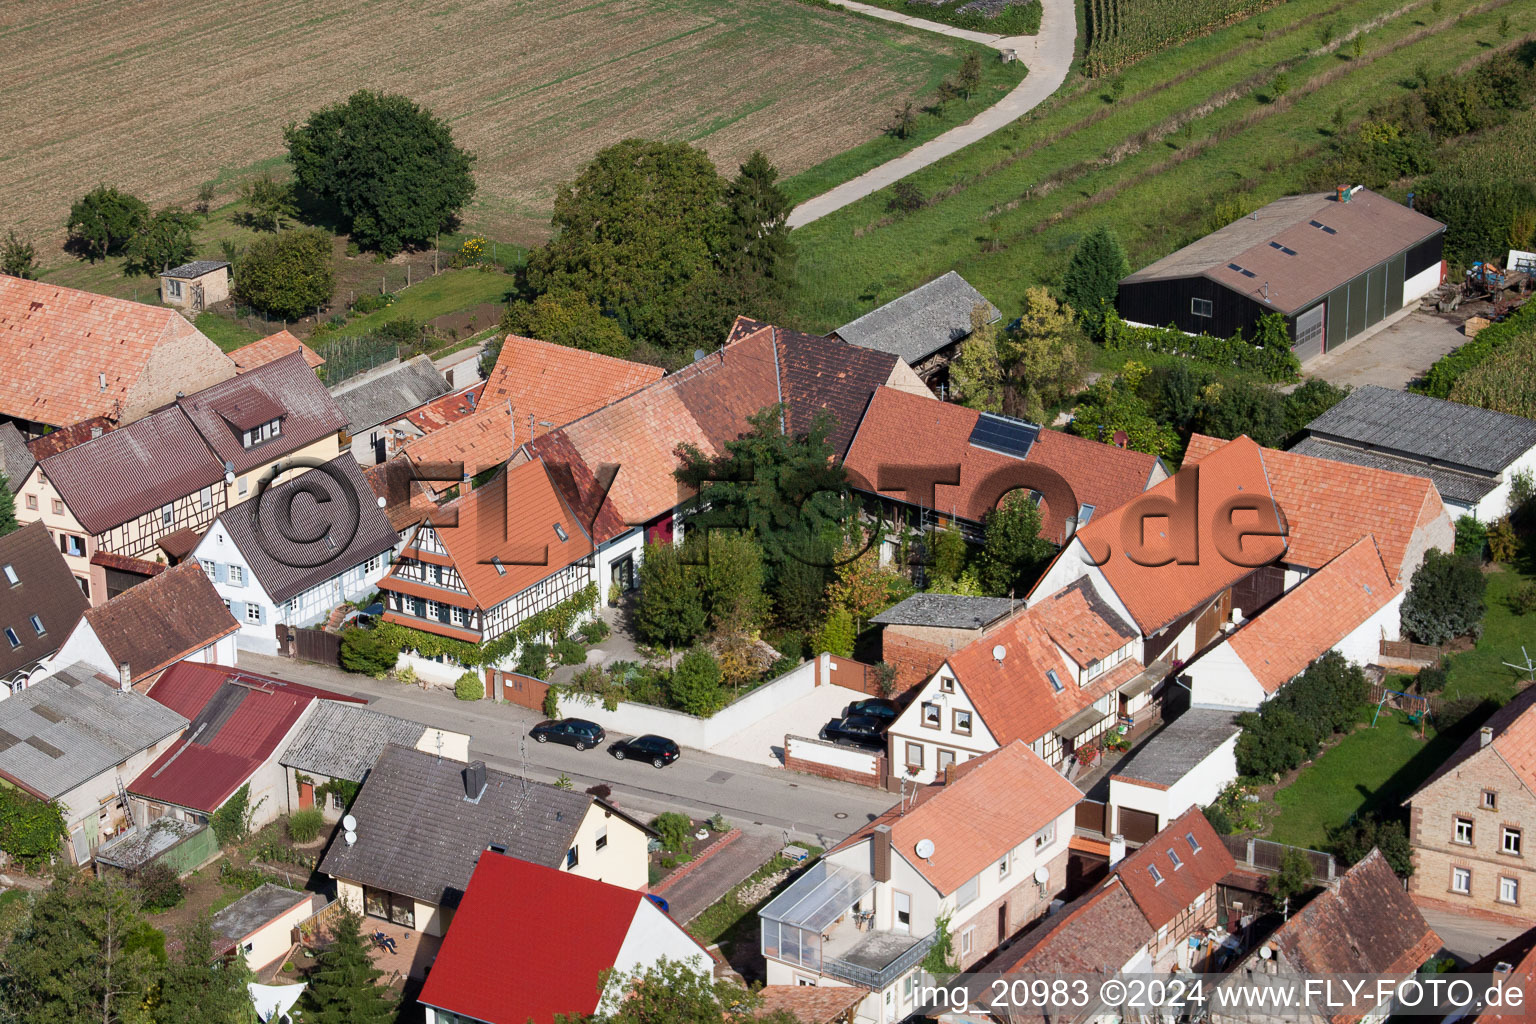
{"type": "Point", "coordinates": [728, 919]}
{"type": "Point", "coordinates": [448, 292]}
{"type": "Point", "coordinates": [226, 333]}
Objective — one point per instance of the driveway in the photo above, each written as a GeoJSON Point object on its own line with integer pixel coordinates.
{"type": "Point", "coordinates": [1047, 54]}
{"type": "Point", "coordinates": [763, 743]}
{"type": "Point", "coordinates": [1469, 938]}
{"type": "Point", "coordinates": [1393, 355]}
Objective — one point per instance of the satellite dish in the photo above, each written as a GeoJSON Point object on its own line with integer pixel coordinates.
{"type": "Point", "coordinates": [351, 837]}
{"type": "Point", "coordinates": [1265, 952]}
{"type": "Point", "coordinates": [382, 502]}
{"type": "Point", "coordinates": [925, 848]}
{"type": "Point", "coordinates": [1042, 874]}
{"type": "Point", "coordinates": [999, 652]}
{"type": "Point", "coordinates": [349, 823]}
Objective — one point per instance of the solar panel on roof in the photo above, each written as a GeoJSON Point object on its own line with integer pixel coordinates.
{"type": "Point", "coordinates": [1004, 434]}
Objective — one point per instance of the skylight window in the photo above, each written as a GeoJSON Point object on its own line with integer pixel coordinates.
{"type": "Point", "coordinates": [1157, 876]}
{"type": "Point", "coordinates": [1194, 847]}
{"type": "Point", "coordinates": [501, 570]}
{"type": "Point", "coordinates": [560, 532]}
{"type": "Point", "coordinates": [10, 576]}
{"type": "Point", "coordinates": [1240, 270]}
{"type": "Point", "coordinates": [10, 634]}
{"type": "Point", "coordinates": [1085, 513]}
{"type": "Point", "coordinates": [37, 626]}
{"type": "Point", "coordinates": [1173, 855]}
{"type": "Point", "coordinates": [1322, 227]}
{"type": "Point", "coordinates": [1054, 680]}
{"type": "Point", "coordinates": [1283, 248]}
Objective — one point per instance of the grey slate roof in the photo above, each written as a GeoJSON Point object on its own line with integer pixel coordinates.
{"type": "Point", "coordinates": [16, 459]}
{"type": "Point", "coordinates": [958, 611]}
{"type": "Point", "coordinates": [418, 836]}
{"type": "Point", "coordinates": [197, 268]}
{"type": "Point", "coordinates": [290, 572]}
{"type": "Point", "coordinates": [921, 322]}
{"type": "Point", "coordinates": [384, 397]}
{"type": "Point", "coordinates": [75, 725]}
{"type": "Point", "coordinates": [1183, 743]}
{"type": "Point", "coordinates": [1429, 429]}
{"type": "Point", "coordinates": [1453, 485]}
{"type": "Point", "coordinates": [256, 908]}
{"type": "Point", "coordinates": [342, 741]}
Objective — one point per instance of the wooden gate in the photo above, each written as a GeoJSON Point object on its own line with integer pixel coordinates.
{"type": "Point", "coordinates": [310, 645]}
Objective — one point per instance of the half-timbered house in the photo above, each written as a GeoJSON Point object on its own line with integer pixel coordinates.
{"type": "Point", "coordinates": [484, 562]}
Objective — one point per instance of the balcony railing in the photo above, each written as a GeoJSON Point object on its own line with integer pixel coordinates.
{"type": "Point", "coordinates": [876, 980]}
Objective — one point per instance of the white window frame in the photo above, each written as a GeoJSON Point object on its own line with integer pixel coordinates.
{"type": "Point", "coordinates": [253, 614]}
{"type": "Point", "coordinates": [1461, 831]}
{"type": "Point", "coordinates": [1045, 837]}
{"type": "Point", "coordinates": [1510, 841]}
{"type": "Point", "coordinates": [1463, 876]}
{"type": "Point", "coordinates": [455, 615]}
{"type": "Point", "coordinates": [1509, 890]}
{"type": "Point", "coordinates": [236, 575]}
{"type": "Point", "coordinates": [209, 568]}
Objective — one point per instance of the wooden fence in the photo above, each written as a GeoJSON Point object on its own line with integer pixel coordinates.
{"type": "Point", "coordinates": [1265, 855]}
{"type": "Point", "coordinates": [309, 645]}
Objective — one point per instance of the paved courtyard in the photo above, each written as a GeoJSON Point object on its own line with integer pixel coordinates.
{"type": "Point", "coordinates": [1392, 356]}
{"type": "Point", "coordinates": [763, 743]}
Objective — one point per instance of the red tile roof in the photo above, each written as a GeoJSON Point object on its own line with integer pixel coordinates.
{"type": "Point", "coordinates": [1314, 615]}
{"type": "Point", "coordinates": [511, 517]}
{"type": "Point", "coordinates": [482, 441]}
{"type": "Point", "coordinates": [406, 501]}
{"type": "Point", "coordinates": [1157, 595]}
{"type": "Point", "coordinates": [239, 720]}
{"type": "Point", "coordinates": [1367, 925]}
{"type": "Point", "coordinates": [828, 375]}
{"type": "Point", "coordinates": [1099, 932]}
{"type": "Point", "coordinates": [450, 408]}
{"type": "Point", "coordinates": [59, 344]}
{"type": "Point", "coordinates": [810, 1004]}
{"type": "Point", "coordinates": [1014, 697]}
{"type": "Point", "coordinates": [1100, 475]}
{"type": "Point", "coordinates": [126, 563]}
{"type": "Point", "coordinates": [555, 384]}
{"type": "Point", "coordinates": [1514, 742]}
{"type": "Point", "coordinates": [491, 969]}
{"type": "Point", "coordinates": [56, 441]}
{"type": "Point", "coordinates": [161, 620]}
{"type": "Point", "coordinates": [273, 346]}
{"type": "Point", "coordinates": [1161, 902]}
{"type": "Point", "coordinates": [1330, 505]}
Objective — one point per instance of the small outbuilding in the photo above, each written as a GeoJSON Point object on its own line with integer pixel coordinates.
{"type": "Point", "coordinates": [196, 285]}
{"type": "Point", "coordinates": [1332, 263]}
{"type": "Point", "coordinates": [259, 925]}
{"type": "Point", "coordinates": [924, 327]}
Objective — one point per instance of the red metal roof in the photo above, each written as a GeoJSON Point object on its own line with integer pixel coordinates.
{"type": "Point", "coordinates": [493, 968]}
{"type": "Point", "coordinates": [239, 719]}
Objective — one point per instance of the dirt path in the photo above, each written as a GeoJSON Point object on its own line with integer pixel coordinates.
{"type": "Point", "coordinates": [1047, 54]}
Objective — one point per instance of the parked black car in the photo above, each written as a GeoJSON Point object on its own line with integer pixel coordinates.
{"type": "Point", "coordinates": [874, 707]}
{"type": "Point", "coordinates": [575, 732]}
{"type": "Point", "coordinates": [658, 750]}
{"type": "Point", "coordinates": [865, 729]}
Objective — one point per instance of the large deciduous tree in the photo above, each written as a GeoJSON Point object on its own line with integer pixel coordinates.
{"type": "Point", "coordinates": [1014, 552]}
{"type": "Point", "coordinates": [288, 274]}
{"type": "Point", "coordinates": [1445, 599]}
{"type": "Point", "coordinates": [103, 220]}
{"type": "Point", "coordinates": [390, 167]}
{"type": "Point", "coordinates": [164, 241]}
{"type": "Point", "coordinates": [568, 319]}
{"type": "Point", "coordinates": [1092, 278]}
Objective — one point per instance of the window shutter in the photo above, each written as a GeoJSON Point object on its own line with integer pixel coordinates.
{"type": "Point", "coordinates": [237, 609]}
{"type": "Point", "coordinates": [220, 572]}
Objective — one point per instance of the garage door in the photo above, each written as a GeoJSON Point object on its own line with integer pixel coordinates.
{"type": "Point", "coordinates": [1309, 332]}
{"type": "Point", "coordinates": [1137, 826]}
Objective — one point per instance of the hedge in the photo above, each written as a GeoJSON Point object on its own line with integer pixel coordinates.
{"type": "Point", "coordinates": [555, 621]}
{"type": "Point", "coordinates": [1450, 368]}
{"type": "Point", "coordinates": [1267, 354]}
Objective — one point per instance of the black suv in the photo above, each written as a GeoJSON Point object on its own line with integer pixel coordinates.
{"type": "Point", "coordinates": [576, 732]}
{"type": "Point", "coordinates": [863, 729]}
{"type": "Point", "coordinates": [874, 707]}
{"type": "Point", "coordinates": [658, 750]}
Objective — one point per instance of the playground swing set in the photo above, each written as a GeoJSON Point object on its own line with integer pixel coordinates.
{"type": "Point", "coordinates": [1414, 707]}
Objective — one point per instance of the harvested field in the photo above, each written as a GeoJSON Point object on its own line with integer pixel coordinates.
{"type": "Point", "coordinates": [159, 97]}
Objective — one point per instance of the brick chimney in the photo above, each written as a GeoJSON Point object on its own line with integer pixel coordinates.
{"type": "Point", "coordinates": [882, 853]}
{"type": "Point", "coordinates": [124, 677]}
{"type": "Point", "coordinates": [1116, 849]}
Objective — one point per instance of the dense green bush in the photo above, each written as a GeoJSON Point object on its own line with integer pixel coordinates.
{"type": "Point", "coordinates": [836, 635]}
{"type": "Point", "coordinates": [1450, 368]}
{"type": "Point", "coordinates": [159, 887]}
{"type": "Point", "coordinates": [593, 631]}
{"type": "Point", "coordinates": [469, 686]}
{"type": "Point", "coordinates": [1268, 353]}
{"type": "Point", "coordinates": [288, 274]}
{"type": "Point", "coordinates": [1471, 537]}
{"type": "Point", "coordinates": [1445, 599]}
{"type": "Point", "coordinates": [30, 829]}
{"type": "Point", "coordinates": [231, 823]}
{"type": "Point", "coordinates": [676, 831]}
{"type": "Point", "coordinates": [570, 652]}
{"type": "Point", "coordinates": [304, 825]}
{"type": "Point", "coordinates": [369, 301]}
{"type": "Point", "coordinates": [533, 660]}
{"type": "Point", "coordinates": [1432, 679]}
{"type": "Point", "coordinates": [670, 607]}
{"type": "Point", "coordinates": [368, 651]}
{"type": "Point", "coordinates": [1291, 727]}
{"type": "Point", "coordinates": [695, 686]}
{"type": "Point", "coordinates": [1363, 834]}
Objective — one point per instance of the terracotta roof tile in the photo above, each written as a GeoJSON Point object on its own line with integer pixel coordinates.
{"type": "Point", "coordinates": [450, 408]}
{"type": "Point", "coordinates": [555, 384]}
{"type": "Point", "coordinates": [481, 442]}
{"type": "Point", "coordinates": [56, 441]}
{"type": "Point", "coordinates": [1330, 505]}
{"type": "Point", "coordinates": [125, 563]}
{"type": "Point", "coordinates": [1514, 742]}
{"type": "Point", "coordinates": [406, 501]}
{"type": "Point", "coordinates": [999, 802]}
{"type": "Point", "coordinates": [161, 620]}
{"type": "Point", "coordinates": [1100, 475]}
{"type": "Point", "coordinates": [810, 1004]}
{"type": "Point", "coordinates": [273, 346]}
{"type": "Point", "coordinates": [1161, 902]}
{"type": "Point", "coordinates": [1097, 933]}
{"type": "Point", "coordinates": [70, 355]}
{"type": "Point", "coordinates": [1317, 613]}
{"type": "Point", "coordinates": [829, 374]}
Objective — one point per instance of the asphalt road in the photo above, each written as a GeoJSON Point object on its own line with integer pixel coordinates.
{"type": "Point", "coordinates": [752, 796]}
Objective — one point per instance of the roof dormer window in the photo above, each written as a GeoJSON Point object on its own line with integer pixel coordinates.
{"type": "Point", "coordinates": [1054, 680]}
{"type": "Point", "coordinates": [260, 435]}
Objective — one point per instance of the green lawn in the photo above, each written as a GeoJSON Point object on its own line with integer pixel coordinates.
{"type": "Point", "coordinates": [448, 292]}
{"type": "Point", "coordinates": [1192, 127]}
{"type": "Point", "coordinates": [226, 333]}
{"type": "Point", "coordinates": [1375, 769]}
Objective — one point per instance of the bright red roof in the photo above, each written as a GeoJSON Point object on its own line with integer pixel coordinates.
{"type": "Point", "coordinates": [1101, 475]}
{"type": "Point", "coordinates": [528, 942]}
{"type": "Point", "coordinates": [238, 721]}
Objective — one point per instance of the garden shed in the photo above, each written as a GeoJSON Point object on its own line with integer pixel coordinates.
{"type": "Point", "coordinates": [179, 845]}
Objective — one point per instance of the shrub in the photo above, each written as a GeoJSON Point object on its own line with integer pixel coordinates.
{"type": "Point", "coordinates": [232, 822]}
{"type": "Point", "coordinates": [288, 274]}
{"type": "Point", "coordinates": [1445, 599]}
{"type": "Point", "coordinates": [405, 674]}
{"type": "Point", "coordinates": [885, 678]}
{"type": "Point", "coordinates": [304, 826]}
{"type": "Point", "coordinates": [1219, 819]}
{"type": "Point", "coordinates": [368, 302]}
{"type": "Point", "coordinates": [1431, 679]}
{"type": "Point", "coordinates": [695, 685]}
{"type": "Point", "coordinates": [551, 702]}
{"type": "Point", "coordinates": [368, 651]}
{"type": "Point", "coordinates": [1325, 699]}
{"type": "Point", "coordinates": [533, 660]}
{"type": "Point", "coordinates": [676, 831]}
{"type": "Point", "coordinates": [159, 887]}
{"type": "Point", "coordinates": [1503, 542]}
{"type": "Point", "coordinates": [1294, 876]}
{"type": "Point", "coordinates": [836, 635]}
{"type": "Point", "coordinates": [1357, 838]}
{"type": "Point", "coordinates": [570, 652]}
{"type": "Point", "coordinates": [1523, 601]}
{"type": "Point", "coordinates": [670, 608]}
{"type": "Point", "coordinates": [469, 686]}
{"type": "Point", "coordinates": [30, 829]}
{"type": "Point", "coordinates": [1471, 537]}
{"type": "Point", "coordinates": [593, 631]}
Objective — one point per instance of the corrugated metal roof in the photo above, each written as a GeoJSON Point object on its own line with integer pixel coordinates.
{"type": "Point", "coordinates": [385, 396]}
{"type": "Point", "coordinates": [1431, 429]}
{"type": "Point", "coordinates": [342, 741]}
{"type": "Point", "coordinates": [91, 724]}
{"type": "Point", "coordinates": [287, 568]}
{"type": "Point", "coordinates": [1452, 485]}
{"type": "Point", "coordinates": [921, 322]}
